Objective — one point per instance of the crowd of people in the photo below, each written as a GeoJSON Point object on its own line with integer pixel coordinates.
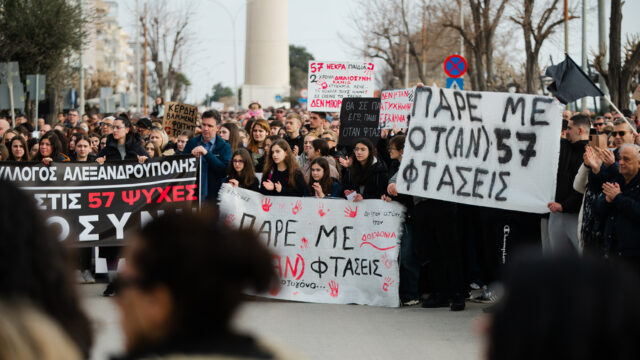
{"type": "Point", "coordinates": [447, 249]}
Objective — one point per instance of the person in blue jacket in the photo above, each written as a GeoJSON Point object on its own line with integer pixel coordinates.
{"type": "Point", "coordinates": [215, 153]}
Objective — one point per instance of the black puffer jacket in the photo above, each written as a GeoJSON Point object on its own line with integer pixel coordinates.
{"type": "Point", "coordinates": [568, 165]}
{"type": "Point", "coordinates": [133, 148]}
{"type": "Point", "coordinates": [374, 182]}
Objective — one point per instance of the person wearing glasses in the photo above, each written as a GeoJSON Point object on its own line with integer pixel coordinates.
{"type": "Point", "coordinates": [599, 124]}
{"type": "Point", "coordinates": [106, 126]}
{"type": "Point", "coordinates": [215, 153]}
{"type": "Point", "coordinates": [123, 144]}
{"type": "Point", "coordinates": [241, 173]}
{"type": "Point", "coordinates": [604, 162]}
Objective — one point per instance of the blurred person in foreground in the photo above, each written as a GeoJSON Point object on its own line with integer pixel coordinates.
{"type": "Point", "coordinates": [177, 295]}
{"type": "Point", "coordinates": [35, 267]}
{"type": "Point", "coordinates": [581, 308]}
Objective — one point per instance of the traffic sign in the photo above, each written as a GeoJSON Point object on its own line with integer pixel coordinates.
{"type": "Point", "coordinates": [278, 98]}
{"type": "Point", "coordinates": [455, 66]}
{"type": "Point", "coordinates": [455, 83]}
{"type": "Point", "coordinates": [303, 93]}
{"type": "Point", "coordinates": [302, 100]}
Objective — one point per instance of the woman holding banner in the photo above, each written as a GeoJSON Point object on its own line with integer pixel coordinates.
{"type": "Point", "coordinates": [240, 172]}
{"type": "Point", "coordinates": [321, 184]}
{"type": "Point", "coordinates": [83, 149]}
{"type": "Point", "coordinates": [282, 175]}
{"type": "Point", "coordinates": [51, 149]}
{"type": "Point", "coordinates": [365, 177]}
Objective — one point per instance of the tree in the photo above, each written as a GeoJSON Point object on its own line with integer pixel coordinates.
{"type": "Point", "coordinates": [220, 91]}
{"type": "Point", "coordinates": [299, 59]}
{"type": "Point", "coordinates": [537, 27]}
{"type": "Point", "coordinates": [485, 19]}
{"type": "Point", "coordinates": [42, 36]}
{"type": "Point", "coordinates": [169, 38]}
{"type": "Point", "coordinates": [618, 76]}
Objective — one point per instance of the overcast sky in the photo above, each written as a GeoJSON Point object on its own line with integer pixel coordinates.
{"type": "Point", "coordinates": [320, 26]}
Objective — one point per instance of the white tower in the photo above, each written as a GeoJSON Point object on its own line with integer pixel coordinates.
{"type": "Point", "coordinates": [266, 69]}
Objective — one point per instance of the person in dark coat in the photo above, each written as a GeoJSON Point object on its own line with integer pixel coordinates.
{"type": "Point", "coordinates": [215, 154]}
{"type": "Point", "coordinates": [366, 176]}
{"type": "Point", "coordinates": [563, 220]}
{"type": "Point", "coordinates": [282, 175]}
{"type": "Point", "coordinates": [123, 144]}
{"type": "Point", "coordinates": [619, 206]}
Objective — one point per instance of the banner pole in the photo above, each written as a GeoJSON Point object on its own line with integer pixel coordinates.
{"type": "Point", "coordinates": [633, 128]}
{"type": "Point", "coordinates": [200, 184]}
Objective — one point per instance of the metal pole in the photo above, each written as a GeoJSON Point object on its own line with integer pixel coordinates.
{"type": "Point", "coordinates": [81, 82]}
{"type": "Point", "coordinates": [10, 83]}
{"type": "Point", "coordinates": [36, 101]}
{"type": "Point", "coordinates": [602, 47]}
{"type": "Point", "coordinates": [137, 63]}
{"type": "Point", "coordinates": [145, 61]}
{"type": "Point", "coordinates": [424, 43]}
{"type": "Point", "coordinates": [584, 47]}
{"type": "Point", "coordinates": [235, 65]}
{"type": "Point", "coordinates": [406, 64]}
{"type": "Point", "coordinates": [566, 26]}
{"type": "Point", "coordinates": [462, 27]}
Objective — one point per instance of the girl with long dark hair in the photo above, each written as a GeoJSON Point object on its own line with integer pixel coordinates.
{"type": "Point", "coordinates": [229, 132]}
{"type": "Point", "coordinates": [51, 148]}
{"type": "Point", "coordinates": [18, 150]}
{"type": "Point", "coordinates": [83, 148]}
{"type": "Point", "coordinates": [321, 184]}
{"type": "Point", "coordinates": [240, 172]}
{"type": "Point", "coordinates": [366, 177]}
{"type": "Point", "coordinates": [282, 175]}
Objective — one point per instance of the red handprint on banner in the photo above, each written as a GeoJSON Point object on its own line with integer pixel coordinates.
{"type": "Point", "coordinates": [305, 244]}
{"type": "Point", "coordinates": [275, 290]}
{"type": "Point", "coordinates": [334, 288]}
{"type": "Point", "coordinates": [387, 282]}
{"type": "Point", "coordinates": [296, 208]}
{"type": "Point", "coordinates": [266, 204]}
{"type": "Point", "coordinates": [229, 219]}
{"type": "Point", "coordinates": [349, 212]}
{"type": "Point", "coordinates": [321, 211]}
{"type": "Point", "coordinates": [386, 261]}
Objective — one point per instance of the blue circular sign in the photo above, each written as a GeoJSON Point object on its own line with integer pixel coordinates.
{"type": "Point", "coordinates": [455, 66]}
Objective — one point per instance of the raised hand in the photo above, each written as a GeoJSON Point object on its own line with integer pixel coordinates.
{"type": "Point", "coordinates": [611, 190]}
{"type": "Point", "coordinates": [278, 186]}
{"type": "Point", "coordinates": [268, 185]}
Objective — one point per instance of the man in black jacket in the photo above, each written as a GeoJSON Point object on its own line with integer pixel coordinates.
{"type": "Point", "coordinates": [563, 220]}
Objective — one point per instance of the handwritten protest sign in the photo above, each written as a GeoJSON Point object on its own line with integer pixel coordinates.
{"type": "Point", "coordinates": [325, 250]}
{"type": "Point", "coordinates": [359, 119]}
{"type": "Point", "coordinates": [179, 117]}
{"type": "Point", "coordinates": [395, 108]}
{"type": "Point", "coordinates": [89, 204]}
{"type": "Point", "coordinates": [482, 148]}
{"type": "Point", "coordinates": [331, 81]}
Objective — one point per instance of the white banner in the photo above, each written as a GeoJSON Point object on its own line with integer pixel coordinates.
{"type": "Point", "coordinates": [325, 250]}
{"type": "Point", "coordinates": [395, 108]}
{"type": "Point", "coordinates": [331, 81]}
{"type": "Point", "coordinates": [481, 148]}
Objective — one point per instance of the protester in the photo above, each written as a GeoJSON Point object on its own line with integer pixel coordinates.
{"type": "Point", "coordinates": [320, 148]}
{"type": "Point", "coordinates": [292, 126]}
{"type": "Point", "coordinates": [229, 133]}
{"type": "Point", "coordinates": [317, 120]}
{"type": "Point", "coordinates": [259, 131]}
{"type": "Point", "coordinates": [4, 126]}
{"type": "Point", "coordinates": [275, 126]}
{"type": "Point", "coordinates": [152, 150]}
{"type": "Point", "coordinates": [181, 140]}
{"type": "Point", "coordinates": [178, 295]}
{"type": "Point", "coordinates": [581, 309]}
{"type": "Point", "coordinates": [123, 144]}
{"type": "Point", "coordinates": [95, 143]}
{"type": "Point", "coordinates": [321, 183]}
{"type": "Point", "coordinates": [51, 149]}
{"type": "Point", "coordinates": [214, 152]}
{"type": "Point", "coordinates": [4, 153]}
{"type": "Point", "coordinates": [365, 177]}
{"type": "Point", "coordinates": [241, 172]}
{"type": "Point", "coordinates": [35, 267]}
{"type": "Point", "coordinates": [161, 139]}
{"type": "Point", "coordinates": [158, 107]}
{"type": "Point", "coordinates": [19, 151]}
{"type": "Point", "coordinates": [244, 137]}
{"type": "Point", "coordinates": [282, 175]}
{"type": "Point", "coordinates": [563, 220]}
{"type": "Point", "coordinates": [143, 128]}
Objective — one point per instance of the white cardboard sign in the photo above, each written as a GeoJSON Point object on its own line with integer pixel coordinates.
{"type": "Point", "coordinates": [331, 81]}
{"type": "Point", "coordinates": [325, 250]}
{"type": "Point", "coordinates": [482, 148]}
{"type": "Point", "coordinates": [395, 108]}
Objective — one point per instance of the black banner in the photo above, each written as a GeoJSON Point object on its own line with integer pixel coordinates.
{"type": "Point", "coordinates": [89, 204]}
{"type": "Point", "coordinates": [359, 118]}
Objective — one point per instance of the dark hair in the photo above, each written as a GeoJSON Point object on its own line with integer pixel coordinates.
{"type": "Point", "coordinates": [276, 123]}
{"type": "Point", "coordinates": [63, 140]}
{"type": "Point", "coordinates": [582, 308]}
{"type": "Point", "coordinates": [211, 114]}
{"type": "Point", "coordinates": [322, 145]}
{"type": "Point", "coordinates": [56, 145]}
{"type": "Point", "coordinates": [289, 160]}
{"type": "Point", "coordinates": [186, 133]}
{"type": "Point", "coordinates": [581, 120]}
{"type": "Point", "coordinates": [157, 152]}
{"type": "Point", "coordinates": [26, 156]}
{"type": "Point", "coordinates": [322, 114]}
{"type": "Point", "coordinates": [36, 267]}
{"type": "Point", "coordinates": [4, 153]}
{"type": "Point", "coordinates": [25, 128]}
{"type": "Point", "coordinates": [326, 182]}
{"type": "Point", "coordinates": [234, 136]}
{"type": "Point", "coordinates": [397, 142]}
{"type": "Point", "coordinates": [247, 176]}
{"type": "Point", "coordinates": [253, 146]}
{"type": "Point", "coordinates": [357, 171]}
{"type": "Point", "coordinates": [205, 272]}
